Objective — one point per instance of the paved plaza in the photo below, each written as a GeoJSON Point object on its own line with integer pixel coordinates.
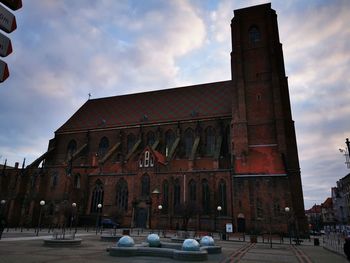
{"type": "Point", "coordinates": [26, 247]}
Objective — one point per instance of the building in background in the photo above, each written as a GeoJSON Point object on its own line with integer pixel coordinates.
{"type": "Point", "coordinates": [199, 156]}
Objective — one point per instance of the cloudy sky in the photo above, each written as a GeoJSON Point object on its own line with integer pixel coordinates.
{"type": "Point", "coordinates": [64, 50]}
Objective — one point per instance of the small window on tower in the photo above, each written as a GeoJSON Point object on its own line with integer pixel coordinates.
{"type": "Point", "coordinates": [254, 35]}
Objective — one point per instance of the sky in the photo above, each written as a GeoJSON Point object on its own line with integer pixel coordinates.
{"type": "Point", "coordinates": [63, 50]}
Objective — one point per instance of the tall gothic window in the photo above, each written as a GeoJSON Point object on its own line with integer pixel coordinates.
{"type": "Point", "coordinates": [103, 147]}
{"type": "Point", "coordinates": [71, 148]}
{"type": "Point", "coordinates": [130, 141]}
{"type": "Point", "coordinates": [189, 139]}
{"type": "Point", "coordinates": [222, 197]}
{"type": "Point", "coordinates": [192, 191]}
{"type": "Point", "coordinates": [145, 186]}
{"type": "Point", "coordinates": [177, 193]}
{"type": "Point", "coordinates": [122, 195]}
{"type": "Point", "coordinates": [77, 181]}
{"type": "Point", "coordinates": [169, 140]}
{"type": "Point", "coordinates": [254, 34]}
{"type": "Point", "coordinates": [205, 197]}
{"type": "Point", "coordinates": [150, 138]}
{"type": "Point", "coordinates": [165, 203]}
{"type": "Point", "coordinates": [54, 179]}
{"type": "Point", "coordinates": [97, 196]}
{"type": "Point", "coordinates": [209, 141]}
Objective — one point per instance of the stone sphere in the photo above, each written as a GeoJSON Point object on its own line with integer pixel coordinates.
{"type": "Point", "coordinates": [153, 240]}
{"type": "Point", "coordinates": [126, 241]}
{"type": "Point", "coordinates": [207, 241]}
{"type": "Point", "coordinates": [190, 245]}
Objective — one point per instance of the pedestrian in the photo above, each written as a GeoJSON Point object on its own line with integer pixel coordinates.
{"type": "Point", "coordinates": [347, 247]}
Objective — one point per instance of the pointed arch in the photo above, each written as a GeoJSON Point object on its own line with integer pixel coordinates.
{"type": "Point", "coordinates": [205, 197]}
{"type": "Point", "coordinates": [222, 191]}
{"type": "Point", "coordinates": [122, 194]}
{"type": "Point", "coordinates": [210, 141]}
{"type": "Point", "coordinates": [103, 147]}
{"type": "Point", "coordinates": [188, 142]}
{"type": "Point", "coordinates": [169, 140]}
{"type": "Point", "coordinates": [150, 138]}
{"type": "Point", "coordinates": [71, 148]}
{"type": "Point", "coordinates": [97, 196]}
{"type": "Point", "coordinates": [192, 187]}
{"type": "Point", "coordinates": [165, 193]}
{"type": "Point", "coordinates": [177, 193]}
{"type": "Point", "coordinates": [130, 142]}
{"type": "Point", "coordinates": [145, 186]}
{"type": "Point", "coordinates": [254, 34]}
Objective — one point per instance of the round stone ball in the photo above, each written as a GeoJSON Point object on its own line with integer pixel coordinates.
{"type": "Point", "coordinates": [126, 241]}
{"type": "Point", "coordinates": [207, 241]}
{"type": "Point", "coordinates": [153, 240]}
{"type": "Point", "coordinates": [190, 245]}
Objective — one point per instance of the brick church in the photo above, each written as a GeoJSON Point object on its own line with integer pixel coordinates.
{"type": "Point", "coordinates": [195, 157]}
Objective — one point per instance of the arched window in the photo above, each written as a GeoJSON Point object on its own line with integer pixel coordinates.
{"type": "Point", "coordinates": [145, 186]}
{"type": "Point", "coordinates": [97, 196]}
{"type": "Point", "coordinates": [205, 197]}
{"type": "Point", "coordinates": [222, 197]}
{"type": "Point", "coordinates": [189, 139]}
{"type": "Point", "coordinates": [192, 191]}
{"type": "Point", "coordinates": [150, 138]}
{"type": "Point", "coordinates": [54, 179]}
{"type": "Point", "coordinates": [209, 141]}
{"type": "Point", "coordinates": [77, 181]}
{"type": "Point", "coordinates": [130, 141]}
{"type": "Point", "coordinates": [254, 34]}
{"type": "Point", "coordinates": [103, 147]}
{"type": "Point", "coordinates": [122, 195]}
{"type": "Point", "coordinates": [177, 193]}
{"type": "Point", "coordinates": [165, 203]}
{"type": "Point", "coordinates": [71, 148]}
{"type": "Point", "coordinates": [169, 140]}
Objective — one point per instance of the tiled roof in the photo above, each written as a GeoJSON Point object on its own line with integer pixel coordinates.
{"type": "Point", "coordinates": [199, 101]}
{"type": "Point", "coordinates": [328, 203]}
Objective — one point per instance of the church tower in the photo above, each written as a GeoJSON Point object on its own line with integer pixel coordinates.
{"type": "Point", "coordinates": [262, 130]}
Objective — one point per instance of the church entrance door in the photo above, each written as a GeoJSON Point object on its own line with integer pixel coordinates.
{"type": "Point", "coordinates": [141, 218]}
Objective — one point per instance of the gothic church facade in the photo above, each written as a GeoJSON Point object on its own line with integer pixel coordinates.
{"type": "Point", "coordinates": [171, 158]}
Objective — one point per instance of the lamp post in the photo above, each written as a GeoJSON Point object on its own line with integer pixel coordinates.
{"type": "Point", "coordinates": [2, 216]}
{"type": "Point", "coordinates": [219, 208]}
{"type": "Point", "coordinates": [42, 203]}
{"type": "Point", "coordinates": [74, 205]}
{"type": "Point", "coordinates": [160, 207]}
{"type": "Point", "coordinates": [99, 206]}
{"type": "Point", "coordinates": [287, 210]}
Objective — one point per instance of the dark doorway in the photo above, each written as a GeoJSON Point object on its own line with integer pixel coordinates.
{"type": "Point", "coordinates": [141, 217]}
{"type": "Point", "coordinates": [241, 225]}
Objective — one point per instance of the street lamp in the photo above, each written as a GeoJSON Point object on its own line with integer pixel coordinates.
{"type": "Point", "coordinates": [219, 208]}
{"type": "Point", "coordinates": [74, 205]}
{"type": "Point", "coordinates": [287, 210]}
{"type": "Point", "coordinates": [160, 207]}
{"type": "Point", "coordinates": [42, 203]}
{"type": "Point", "coordinates": [99, 206]}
